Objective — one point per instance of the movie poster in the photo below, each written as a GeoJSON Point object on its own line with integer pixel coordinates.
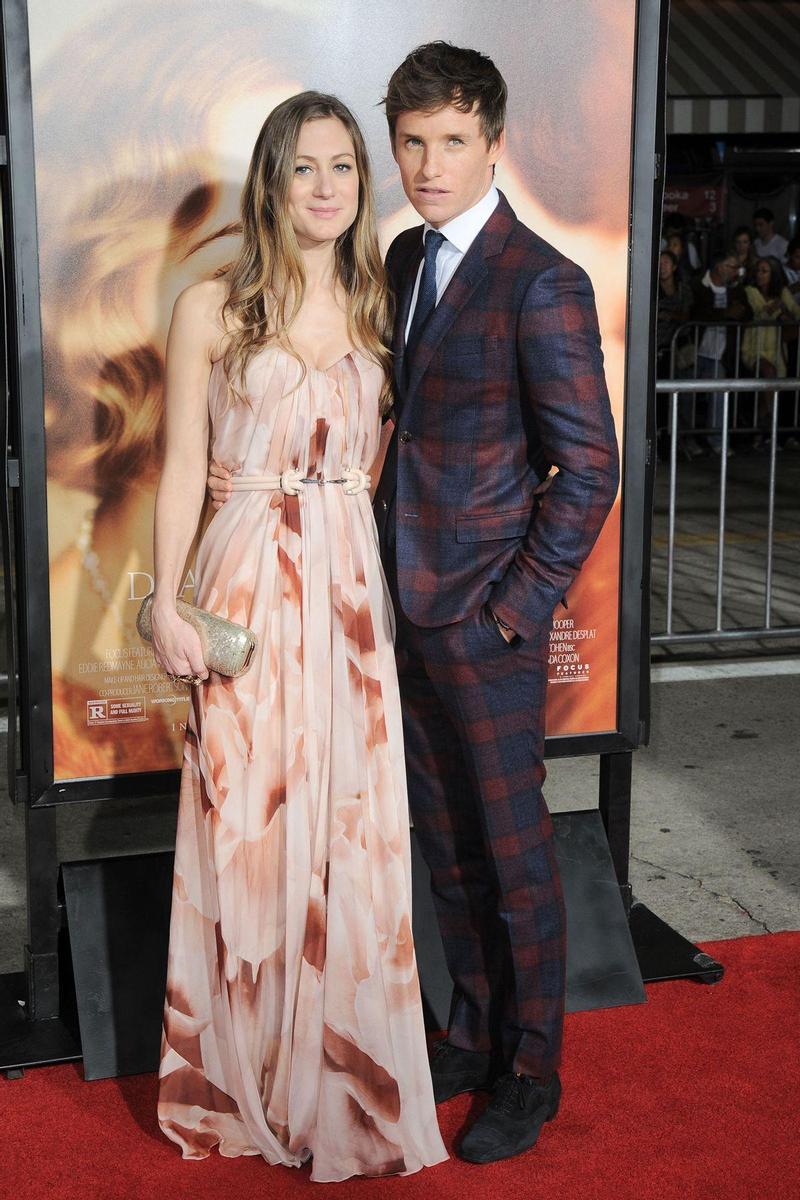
{"type": "Point", "coordinates": [145, 114]}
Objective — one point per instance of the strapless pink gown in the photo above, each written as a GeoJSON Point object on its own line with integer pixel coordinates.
{"type": "Point", "coordinates": [293, 1022]}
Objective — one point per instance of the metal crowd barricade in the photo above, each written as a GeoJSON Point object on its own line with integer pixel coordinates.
{"type": "Point", "coordinates": [688, 337]}
{"type": "Point", "coordinates": [675, 388]}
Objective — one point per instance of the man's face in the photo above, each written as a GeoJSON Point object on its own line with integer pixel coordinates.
{"type": "Point", "coordinates": [794, 259]}
{"type": "Point", "coordinates": [445, 163]}
{"type": "Point", "coordinates": [726, 271]}
{"type": "Point", "coordinates": [763, 229]}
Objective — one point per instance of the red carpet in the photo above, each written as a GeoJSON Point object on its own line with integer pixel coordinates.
{"type": "Point", "coordinates": [694, 1094]}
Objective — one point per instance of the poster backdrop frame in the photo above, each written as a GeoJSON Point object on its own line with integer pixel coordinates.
{"type": "Point", "coordinates": [30, 676]}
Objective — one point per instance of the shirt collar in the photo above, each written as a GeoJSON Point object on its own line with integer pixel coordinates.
{"type": "Point", "coordinates": [463, 229]}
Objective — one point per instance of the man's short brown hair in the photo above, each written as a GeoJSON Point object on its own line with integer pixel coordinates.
{"type": "Point", "coordinates": [438, 74]}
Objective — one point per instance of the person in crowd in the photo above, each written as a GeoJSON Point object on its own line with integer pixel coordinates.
{"type": "Point", "coordinates": [742, 246]}
{"type": "Point", "coordinates": [792, 266]}
{"type": "Point", "coordinates": [674, 305]}
{"type": "Point", "coordinates": [676, 223]}
{"type": "Point", "coordinates": [765, 348]}
{"type": "Point", "coordinates": [293, 1023]}
{"type": "Point", "coordinates": [768, 243]}
{"type": "Point", "coordinates": [770, 299]}
{"type": "Point", "coordinates": [718, 298]}
{"type": "Point", "coordinates": [674, 357]}
{"type": "Point", "coordinates": [792, 334]}
{"type": "Point", "coordinates": [498, 377]}
{"type": "Point", "coordinates": [685, 255]}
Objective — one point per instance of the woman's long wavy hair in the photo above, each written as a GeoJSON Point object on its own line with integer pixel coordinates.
{"type": "Point", "coordinates": [267, 280]}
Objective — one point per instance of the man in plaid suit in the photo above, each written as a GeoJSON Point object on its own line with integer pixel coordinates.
{"type": "Point", "coordinates": [498, 377]}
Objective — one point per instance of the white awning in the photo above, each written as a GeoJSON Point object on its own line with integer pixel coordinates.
{"type": "Point", "coordinates": [734, 66]}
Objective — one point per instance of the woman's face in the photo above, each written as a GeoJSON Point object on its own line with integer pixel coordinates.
{"type": "Point", "coordinates": [323, 197]}
{"type": "Point", "coordinates": [763, 274]}
{"type": "Point", "coordinates": [666, 267]}
{"type": "Point", "coordinates": [742, 245]}
{"type": "Point", "coordinates": [675, 244]}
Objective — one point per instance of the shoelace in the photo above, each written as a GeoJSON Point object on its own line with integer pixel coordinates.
{"type": "Point", "coordinates": [510, 1092]}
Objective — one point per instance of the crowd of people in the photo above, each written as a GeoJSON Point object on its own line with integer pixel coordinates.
{"type": "Point", "coordinates": [736, 317]}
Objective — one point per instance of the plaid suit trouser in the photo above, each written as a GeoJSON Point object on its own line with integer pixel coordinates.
{"type": "Point", "coordinates": [473, 721]}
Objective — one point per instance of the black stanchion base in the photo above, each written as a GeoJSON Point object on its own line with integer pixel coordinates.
{"type": "Point", "coordinates": [118, 911]}
{"type": "Point", "coordinates": [31, 1043]}
{"type": "Point", "coordinates": [663, 953]}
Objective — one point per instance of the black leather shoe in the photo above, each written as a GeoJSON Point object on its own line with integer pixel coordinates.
{"type": "Point", "coordinates": [454, 1070]}
{"type": "Point", "coordinates": [513, 1118]}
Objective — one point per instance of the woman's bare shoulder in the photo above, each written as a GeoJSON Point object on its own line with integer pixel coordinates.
{"type": "Point", "coordinates": [203, 300]}
{"type": "Point", "coordinates": [198, 314]}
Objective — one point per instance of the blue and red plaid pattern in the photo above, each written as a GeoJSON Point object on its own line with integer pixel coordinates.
{"type": "Point", "coordinates": [506, 380]}
{"type": "Point", "coordinates": [473, 721]}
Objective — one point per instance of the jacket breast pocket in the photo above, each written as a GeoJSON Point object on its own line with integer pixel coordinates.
{"type": "Point", "coordinates": [490, 527]}
{"type": "Point", "coordinates": [469, 359]}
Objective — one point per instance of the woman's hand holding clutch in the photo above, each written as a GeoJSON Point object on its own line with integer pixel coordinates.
{"type": "Point", "coordinates": [176, 645]}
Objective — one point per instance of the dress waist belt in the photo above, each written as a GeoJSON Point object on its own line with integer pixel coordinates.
{"type": "Point", "coordinates": [352, 480]}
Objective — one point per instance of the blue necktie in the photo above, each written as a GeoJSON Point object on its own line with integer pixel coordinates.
{"type": "Point", "coordinates": [426, 296]}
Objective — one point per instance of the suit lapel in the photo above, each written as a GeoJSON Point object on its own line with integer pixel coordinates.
{"type": "Point", "coordinates": [457, 294]}
{"type": "Point", "coordinates": [471, 271]}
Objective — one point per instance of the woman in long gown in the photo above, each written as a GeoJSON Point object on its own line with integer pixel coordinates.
{"type": "Point", "coordinates": [293, 1023]}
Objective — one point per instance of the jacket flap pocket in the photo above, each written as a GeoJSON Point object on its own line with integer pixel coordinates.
{"type": "Point", "coordinates": [489, 527]}
{"type": "Point", "coordinates": [471, 346]}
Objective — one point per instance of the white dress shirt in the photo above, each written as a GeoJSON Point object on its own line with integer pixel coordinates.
{"type": "Point", "coordinates": [776, 247]}
{"type": "Point", "coordinates": [715, 338]}
{"type": "Point", "coordinates": [459, 235]}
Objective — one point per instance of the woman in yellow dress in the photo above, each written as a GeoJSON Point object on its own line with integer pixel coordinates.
{"type": "Point", "coordinates": [764, 350]}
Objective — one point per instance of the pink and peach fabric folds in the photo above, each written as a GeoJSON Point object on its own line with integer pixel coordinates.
{"type": "Point", "coordinates": [293, 1019]}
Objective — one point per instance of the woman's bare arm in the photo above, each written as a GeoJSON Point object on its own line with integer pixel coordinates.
{"type": "Point", "coordinates": [179, 500]}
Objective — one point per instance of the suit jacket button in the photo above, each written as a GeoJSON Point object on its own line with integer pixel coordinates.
{"type": "Point", "coordinates": [385, 505]}
{"type": "Point", "coordinates": [405, 436]}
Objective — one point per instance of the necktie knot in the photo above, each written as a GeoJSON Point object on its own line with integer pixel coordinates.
{"type": "Point", "coordinates": [433, 240]}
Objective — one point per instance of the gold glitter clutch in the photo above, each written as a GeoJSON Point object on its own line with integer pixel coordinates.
{"type": "Point", "coordinates": [227, 647]}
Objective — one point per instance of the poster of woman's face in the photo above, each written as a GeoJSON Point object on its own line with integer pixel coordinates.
{"type": "Point", "coordinates": [145, 115]}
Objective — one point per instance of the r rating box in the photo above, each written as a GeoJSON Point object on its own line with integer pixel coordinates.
{"type": "Point", "coordinates": [124, 711]}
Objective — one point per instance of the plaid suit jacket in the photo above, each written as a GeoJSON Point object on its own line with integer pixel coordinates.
{"type": "Point", "coordinates": [506, 379]}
